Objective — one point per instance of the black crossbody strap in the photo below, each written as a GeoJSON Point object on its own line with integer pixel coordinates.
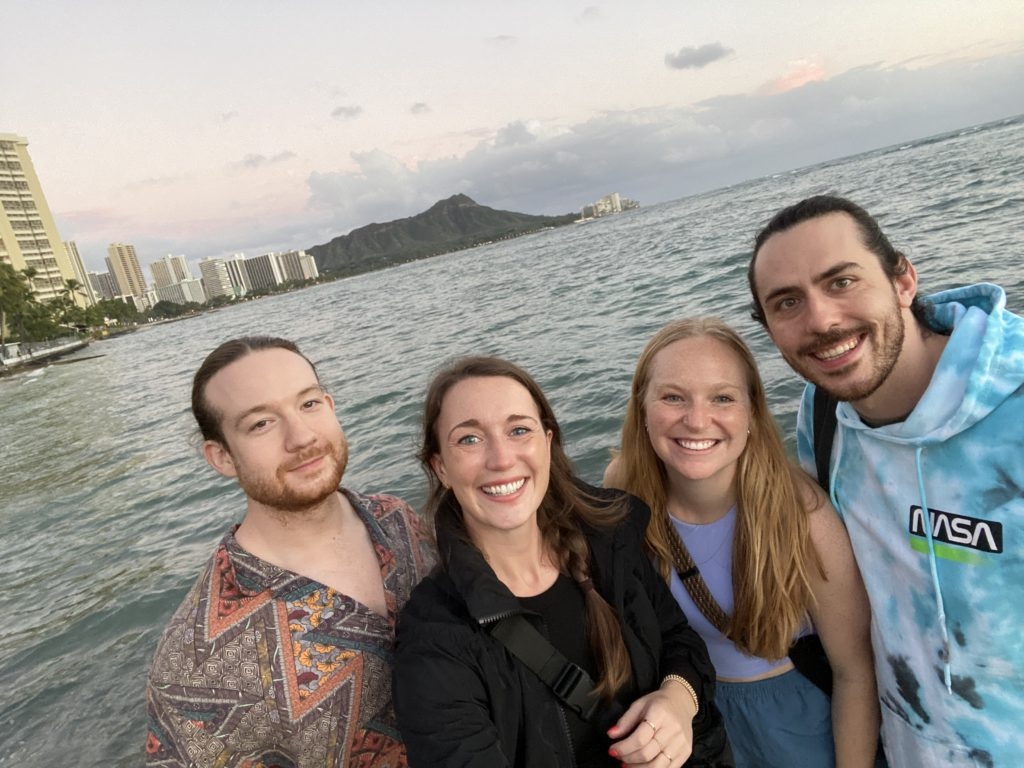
{"type": "Point", "coordinates": [568, 681]}
{"type": "Point", "coordinates": [824, 422]}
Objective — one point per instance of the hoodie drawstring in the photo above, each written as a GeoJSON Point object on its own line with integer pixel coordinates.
{"type": "Point", "coordinates": [947, 673]}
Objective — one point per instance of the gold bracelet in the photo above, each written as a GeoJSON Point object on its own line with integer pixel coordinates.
{"type": "Point", "coordinates": [686, 684]}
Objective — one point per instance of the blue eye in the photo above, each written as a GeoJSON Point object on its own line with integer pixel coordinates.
{"type": "Point", "coordinates": [468, 440]}
{"type": "Point", "coordinates": [520, 431]}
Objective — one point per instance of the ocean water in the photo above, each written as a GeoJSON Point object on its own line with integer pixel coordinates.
{"type": "Point", "coordinates": [107, 512]}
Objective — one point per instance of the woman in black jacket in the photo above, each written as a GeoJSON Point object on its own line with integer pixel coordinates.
{"type": "Point", "coordinates": [629, 682]}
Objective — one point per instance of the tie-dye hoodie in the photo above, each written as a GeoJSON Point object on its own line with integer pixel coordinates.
{"type": "Point", "coordinates": [935, 510]}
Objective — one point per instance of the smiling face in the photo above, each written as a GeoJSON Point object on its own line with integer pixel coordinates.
{"type": "Point", "coordinates": [282, 440]}
{"type": "Point", "coordinates": [834, 314]}
{"type": "Point", "coordinates": [697, 410]}
{"type": "Point", "coordinates": [495, 455]}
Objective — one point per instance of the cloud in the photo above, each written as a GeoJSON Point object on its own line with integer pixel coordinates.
{"type": "Point", "coordinates": [514, 133]}
{"type": "Point", "coordinates": [696, 57]}
{"type": "Point", "coordinates": [502, 39]}
{"type": "Point", "coordinates": [590, 13]}
{"type": "Point", "coordinates": [154, 182]}
{"type": "Point", "coordinates": [347, 111]}
{"type": "Point", "coordinates": [419, 108]}
{"type": "Point", "coordinates": [799, 74]}
{"type": "Point", "coordinates": [225, 116]}
{"type": "Point", "coordinates": [382, 189]}
{"type": "Point", "coordinates": [652, 155]}
{"type": "Point", "coordinates": [253, 160]}
{"type": "Point", "coordinates": [664, 153]}
{"type": "Point", "coordinates": [517, 169]}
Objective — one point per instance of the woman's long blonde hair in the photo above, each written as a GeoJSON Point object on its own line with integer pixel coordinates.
{"type": "Point", "coordinates": [773, 556]}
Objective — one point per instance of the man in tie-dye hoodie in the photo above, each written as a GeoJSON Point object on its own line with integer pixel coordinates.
{"type": "Point", "coordinates": [927, 469]}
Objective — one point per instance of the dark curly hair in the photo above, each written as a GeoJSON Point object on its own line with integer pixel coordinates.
{"type": "Point", "coordinates": [893, 262]}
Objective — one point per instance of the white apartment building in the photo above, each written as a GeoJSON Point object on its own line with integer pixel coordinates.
{"type": "Point", "coordinates": [123, 264]}
{"type": "Point", "coordinates": [238, 273]}
{"type": "Point", "coordinates": [216, 280]}
{"type": "Point", "coordinates": [297, 265]}
{"type": "Point", "coordinates": [80, 274]}
{"type": "Point", "coordinates": [264, 271]}
{"type": "Point", "coordinates": [103, 285]}
{"type": "Point", "coordinates": [182, 292]}
{"type": "Point", "coordinates": [28, 234]}
{"type": "Point", "coordinates": [170, 270]}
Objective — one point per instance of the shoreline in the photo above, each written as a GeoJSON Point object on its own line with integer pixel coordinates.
{"type": "Point", "coordinates": [39, 357]}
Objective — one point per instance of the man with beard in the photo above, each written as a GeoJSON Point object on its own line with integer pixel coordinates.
{"type": "Point", "coordinates": [926, 468]}
{"type": "Point", "coordinates": [280, 655]}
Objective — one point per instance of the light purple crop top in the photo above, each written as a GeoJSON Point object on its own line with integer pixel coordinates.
{"type": "Point", "coordinates": [710, 546]}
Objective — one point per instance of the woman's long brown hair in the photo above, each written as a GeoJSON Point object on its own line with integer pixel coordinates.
{"type": "Point", "coordinates": [561, 512]}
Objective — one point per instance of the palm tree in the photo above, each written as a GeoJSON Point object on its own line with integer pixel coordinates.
{"type": "Point", "coordinates": [15, 298]}
{"type": "Point", "coordinates": [30, 275]}
{"type": "Point", "coordinates": [28, 309]}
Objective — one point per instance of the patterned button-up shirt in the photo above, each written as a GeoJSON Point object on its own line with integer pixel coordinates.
{"type": "Point", "coordinates": [263, 668]}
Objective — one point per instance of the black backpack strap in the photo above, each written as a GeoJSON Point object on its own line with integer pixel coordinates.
{"type": "Point", "coordinates": [824, 422]}
{"type": "Point", "coordinates": [568, 681]}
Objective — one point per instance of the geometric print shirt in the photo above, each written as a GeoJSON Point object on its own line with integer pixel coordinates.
{"type": "Point", "coordinates": [264, 668]}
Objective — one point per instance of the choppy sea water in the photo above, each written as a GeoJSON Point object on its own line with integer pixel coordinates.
{"type": "Point", "coordinates": [107, 512]}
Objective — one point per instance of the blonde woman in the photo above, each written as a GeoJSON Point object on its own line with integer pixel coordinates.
{"type": "Point", "coordinates": [753, 552]}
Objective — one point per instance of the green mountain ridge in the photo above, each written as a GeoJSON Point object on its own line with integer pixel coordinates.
{"type": "Point", "coordinates": [449, 225]}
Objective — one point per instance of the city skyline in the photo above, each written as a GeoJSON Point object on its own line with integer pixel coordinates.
{"type": "Point", "coordinates": [173, 280]}
{"type": "Point", "coordinates": [208, 131]}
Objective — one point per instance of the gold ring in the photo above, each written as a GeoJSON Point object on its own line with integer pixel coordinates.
{"type": "Point", "coordinates": [653, 727]}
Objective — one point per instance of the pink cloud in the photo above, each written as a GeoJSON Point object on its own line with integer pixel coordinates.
{"type": "Point", "coordinates": [800, 73]}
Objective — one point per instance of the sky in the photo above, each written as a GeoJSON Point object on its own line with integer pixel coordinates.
{"type": "Point", "coordinates": [208, 129]}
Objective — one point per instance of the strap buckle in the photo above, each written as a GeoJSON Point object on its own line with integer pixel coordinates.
{"type": "Point", "coordinates": [573, 686]}
{"type": "Point", "coordinates": [568, 681]}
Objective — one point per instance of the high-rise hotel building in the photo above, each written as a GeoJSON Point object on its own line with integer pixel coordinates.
{"type": "Point", "coordinates": [170, 270]}
{"type": "Point", "coordinates": [123, 264]}
{"type": "Point", "coordinates": [216, 280]}
{"type": "Point", "coordinates": [28, 235]}
{"type": "Point", "coordinates": [84, 284]}
{"type": "Point", "coordinates": [238, 273]}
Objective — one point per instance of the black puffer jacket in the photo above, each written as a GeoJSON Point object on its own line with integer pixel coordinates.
{"type": "Point", "coordinates": [463, 700]}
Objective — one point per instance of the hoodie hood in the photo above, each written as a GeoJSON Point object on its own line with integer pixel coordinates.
{"type": "Point", "coordinates": [974, 375]}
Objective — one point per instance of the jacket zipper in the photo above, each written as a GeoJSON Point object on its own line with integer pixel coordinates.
{"type": "Point", "coordinates": [571, 753]}
{"type": "Point", "coordinates": [494, 619]}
